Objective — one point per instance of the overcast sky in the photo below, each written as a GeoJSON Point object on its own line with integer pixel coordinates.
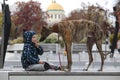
{"type": "Point", "coordinates": [69, 5]}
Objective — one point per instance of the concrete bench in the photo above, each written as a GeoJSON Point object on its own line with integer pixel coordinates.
{"type": "Point", "coordinates": [81, 50]}
{"type": "Point", "coordinates": [17, 48]}
{"type": "Point", "coordinates": [76, 48]}
{"type": "Point", "coordinates": [50, 47]}
{"type": "Point", "coordinates": [54, 47]}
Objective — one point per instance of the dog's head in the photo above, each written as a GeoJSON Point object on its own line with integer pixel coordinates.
{"type": "Point", "coordinates": [45, 33]}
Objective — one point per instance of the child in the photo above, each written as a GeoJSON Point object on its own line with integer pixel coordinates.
{"type": "Point", "coordinates": [29, 59]}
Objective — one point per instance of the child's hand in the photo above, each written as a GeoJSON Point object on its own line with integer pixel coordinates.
{"type": "Point", "coordinates": [41, 62]}
{"type": "Point", "coordinates": [37, 44]}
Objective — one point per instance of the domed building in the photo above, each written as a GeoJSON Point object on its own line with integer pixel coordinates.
{"type": "Point", "coordinates": [56, 12]}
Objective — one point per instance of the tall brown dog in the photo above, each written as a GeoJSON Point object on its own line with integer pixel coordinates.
{"type": "Point", "coordinates": [74, 31]}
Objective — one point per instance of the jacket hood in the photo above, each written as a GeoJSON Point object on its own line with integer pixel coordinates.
{"type": "Point", "coordinates": [28, 36]}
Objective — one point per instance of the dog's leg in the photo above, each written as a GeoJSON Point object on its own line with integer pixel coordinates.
{"type": "Point", "coordinates": [68, 43]}
{"type": "Point", "coordinates": [99, 46]}
{"type": "Point", "coordinates": [90, 42]}
{"type": "Point", "coordinates": [69, 57]}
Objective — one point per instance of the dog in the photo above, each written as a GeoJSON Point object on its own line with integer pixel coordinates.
{"type": "Point", "coordinates": [74, 31]}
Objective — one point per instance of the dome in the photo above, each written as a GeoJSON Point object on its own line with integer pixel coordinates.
{"type": "Point", "coordinates": [55, 6]}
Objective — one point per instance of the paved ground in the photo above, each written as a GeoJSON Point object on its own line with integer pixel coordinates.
{"type": "Point", "coordinates": [80, 61]}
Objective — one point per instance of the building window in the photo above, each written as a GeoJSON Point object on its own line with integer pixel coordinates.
{"type": "Point", "coordinates": [62, 16]}
{"type": "Point", "coordinates": [55, 16]}
{"type": "Point", "coordinates": [59, 16]}
{"type": "Point", "coordinates": [51, 16]}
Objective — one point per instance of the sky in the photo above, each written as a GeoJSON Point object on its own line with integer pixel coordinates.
{"type": "Point", "coordinates": [68, 5]}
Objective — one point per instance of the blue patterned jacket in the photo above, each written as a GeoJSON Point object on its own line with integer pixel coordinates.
{"type": "Point", "coordinates": [30, 52]}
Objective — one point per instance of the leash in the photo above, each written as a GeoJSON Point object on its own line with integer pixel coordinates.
{"type": "Point", "coordinates": [59, 53]}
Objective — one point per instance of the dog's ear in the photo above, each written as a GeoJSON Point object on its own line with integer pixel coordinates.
{"type": "Point", "coordinates": [50, 28]}
{"type": "Point", "coordinates": [44, 28]}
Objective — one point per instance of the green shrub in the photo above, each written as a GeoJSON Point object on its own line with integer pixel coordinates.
{"type": "Point", "coordinates": [53, 38]}
{"type": "Point", "coordinates": [18, 40]}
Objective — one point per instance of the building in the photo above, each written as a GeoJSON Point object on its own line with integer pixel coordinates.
{"type": "Point", "coordinates": [56, 12]}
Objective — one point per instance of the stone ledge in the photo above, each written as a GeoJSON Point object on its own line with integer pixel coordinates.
{"type": "Point", "coordinates": [61, 73]}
